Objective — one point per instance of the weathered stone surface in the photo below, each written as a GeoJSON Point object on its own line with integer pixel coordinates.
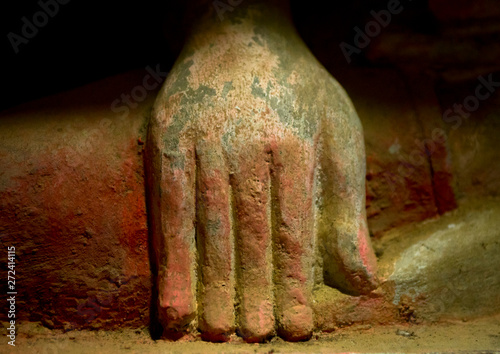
{"type": "Point", "coordinates": [449, 267]}
{"type": "Point", "coordinates": [472, 114]}
{"type": "Point", "coordinates": [442, 269]}
{"type": "Point", "coordinates": [253, 143]}
{"type": "Point", "coordinates": [399, 183]}
{"type": "Point", "coordinates": [433, 145]}
{"type": "Point", "coordinates": [94, 285]}
{"type": "Point", "coordinates": [72, 203]}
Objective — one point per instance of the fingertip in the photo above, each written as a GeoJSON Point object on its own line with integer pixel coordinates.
{"type": "Point", "coordinates": [257, 323]}
{"type": "Point", "coordinates": [175, 318]}
{"type": "Point", "coordinates": [217, 320]}
{"type": "Point", "coordinates": [296, 324]}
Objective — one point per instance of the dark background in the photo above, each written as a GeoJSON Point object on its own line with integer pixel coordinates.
{"type": "Point", "coordinates": [84, 42]}
{"type": "Point", "coordinates": [90, 40]}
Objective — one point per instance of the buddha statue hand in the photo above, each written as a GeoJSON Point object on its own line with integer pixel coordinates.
{"type": "Point", "coordinates": [256, 182]}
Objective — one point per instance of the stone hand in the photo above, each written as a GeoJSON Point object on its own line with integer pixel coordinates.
{"type": "Point", "coordinates": [255, 168]}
